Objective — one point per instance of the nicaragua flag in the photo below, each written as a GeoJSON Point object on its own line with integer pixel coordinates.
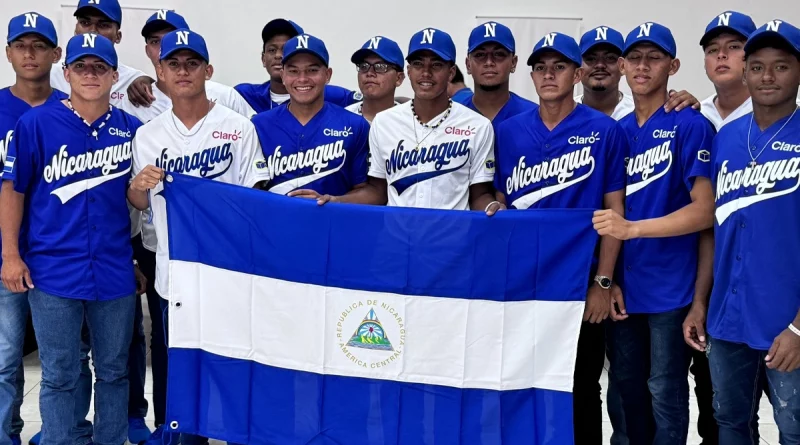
{"type": "Point", "coordinates": [292, 323]}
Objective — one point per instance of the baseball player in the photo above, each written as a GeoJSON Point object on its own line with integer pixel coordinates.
{"type": "Point", "coordinates": [490, 62]}
{"type": "Point", "coordinates": [66, 172]}
{"type": "Point", "coordinates": [429, 152]}
{"type": "Point", "coordinates": [269, 95]}
{"type": "Point", "coordinates": [103, 17]}
{"type": "Point", "coordinates": [566, 155]}
{"type": "Point", "coordinates": [197, 137]}
{"type": "Point", "coordinates": [723, 46]}
{"type": "Point", "coordinates": [753, 319]}
{"type": "Point", "coordinates": [380, 66]}
{"type": "Point", "coordinates": [669, 200]}
{"type": "Point", "coordinates": [32, 50]}
{"type": "Point", "coordinates": [311, 147]}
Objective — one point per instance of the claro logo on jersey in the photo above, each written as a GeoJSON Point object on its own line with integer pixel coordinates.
{"type": "Point", "coordinates": [645, 164]}
{"type": "Point", "coordinates": [107, 160]}
{"type": "Point", "coordinates": [763, 178]}
{"type": "Point", "coordinates": [561, 169]}
{"type": "Point", "coordinates": [441, 156]}
{"type": "Point", "coordinates": [469, 131]}
{"type": "Point", "coordinates": [346, 132]}
{"type": "Point", "coordinates": [317, 159]}
{"type": "Point", "coordinates": [209, 163]}
{"type": "Point", "coordinates": [121, 133]}
{"type": "Point", "coordinates": [785, 146]}
{"type": "Point", "coordinates": [225, 136]}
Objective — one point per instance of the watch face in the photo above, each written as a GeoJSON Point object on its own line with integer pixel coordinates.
{"type": "Point", "coordinates": [605, 282]}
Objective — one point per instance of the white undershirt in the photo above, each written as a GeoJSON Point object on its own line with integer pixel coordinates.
{"type": "Point", "coordinates": [278, 98]}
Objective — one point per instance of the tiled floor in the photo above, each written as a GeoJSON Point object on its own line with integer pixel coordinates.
{"type": "Point", "coordinates": [33, 376]}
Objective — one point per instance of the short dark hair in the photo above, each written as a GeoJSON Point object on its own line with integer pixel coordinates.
{"type": "Point", "coordinates": [459, 77]}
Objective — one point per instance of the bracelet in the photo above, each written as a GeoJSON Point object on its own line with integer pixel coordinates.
{"type": "Point", "coordinates": [794, 329]}
{"type": "Point", "coordinates": [490, 204]}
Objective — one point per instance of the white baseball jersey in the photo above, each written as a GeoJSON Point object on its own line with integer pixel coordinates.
{"type": "Point", "coordinates": [709, 110]}
{"type": "Point", "coordinates": [222, 148]}
{"type": "Point", "coordinates": [356, 107]}
{"type": "Point", "coordinates": [216, 92]}
{"type": "Point", "coordinates": [431, 168]}
{"type": "Point", "coordinates": [624, 107]}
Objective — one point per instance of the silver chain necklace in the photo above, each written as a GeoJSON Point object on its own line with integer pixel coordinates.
{"type": "Point", "coordinates": [94, 130]}
{"type": "Point", "coordinates": [199, 127]}
{"type": "Point", "coordinates": [753, 159]}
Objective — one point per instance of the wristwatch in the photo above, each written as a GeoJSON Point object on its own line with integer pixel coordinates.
{"type": "Point", "coordinates": [604, 282]}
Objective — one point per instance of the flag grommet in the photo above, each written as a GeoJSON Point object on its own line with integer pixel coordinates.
{"type": "Point", "coordinates": [169, 178]}
{"type": "Point", "coordinates": [178, 304]}
{"type": "Point", "coordinates": [173, 425]}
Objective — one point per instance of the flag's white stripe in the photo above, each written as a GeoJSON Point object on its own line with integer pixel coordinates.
{"type": "Point", "coordinates": [443, 341]}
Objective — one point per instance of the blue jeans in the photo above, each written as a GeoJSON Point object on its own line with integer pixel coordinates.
{"type": "Point", "coordinates": [650, 363]}
{"type": "Point", "coordinates": [58, 322]}
{"type": "Point", "coordinates": [737, 373]}
{"type": "Point", "coordinates": [13, 322]}
{"type": "Point", "coordinates": [82, 431]}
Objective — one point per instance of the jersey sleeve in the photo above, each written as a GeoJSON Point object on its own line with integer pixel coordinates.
{"type": "Point", "coordinates": [482, 167]}
{"type": "Point", "coordinates": [377, 165]}
{"type": "Point", "coordinates": [253, 167]}
{"type": "Point", "coordinates": [499, 141]}
{"type": "Point", "coordinates": [340, 96]}
{"type": "Point", "coordinates": [359, 167]}
{"type": "Point", "coordinates": [616, 151]}
{"type": "Point", "coordinates": [137, 157]}
{"type": "Point", "coordinates": [695, 137]}
{"type": "Point", "coordinates": [236, 102]}
{"type": "Point", "coordinates": [23, 157]}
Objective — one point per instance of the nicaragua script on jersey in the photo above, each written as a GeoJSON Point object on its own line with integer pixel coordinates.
{"type": "Point", "coordinates": [317, 158]}
{"type": "Point", "coordinates": [203, 162]}
{"type": "Point", "coordinates": [108, 159]}
{"type": "Point", "coordinates": [439, 155]}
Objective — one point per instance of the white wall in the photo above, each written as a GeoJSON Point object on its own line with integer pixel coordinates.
{"type": "Point", "coordinates": [233, 27]}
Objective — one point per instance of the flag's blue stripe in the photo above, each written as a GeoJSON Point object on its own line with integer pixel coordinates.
{"type": "Point", "coordinates": [241, 401]}
{"type": "Point", "coordinates": [513, 256]}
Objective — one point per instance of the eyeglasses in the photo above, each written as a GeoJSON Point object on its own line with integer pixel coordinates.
{"type": "Point", "coordinates": [379, 67]}
{"type": "Point", "coordinates": [97, 68]}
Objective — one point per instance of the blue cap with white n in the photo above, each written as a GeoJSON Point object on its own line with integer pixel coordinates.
{"type": "Point", "coordinates": [163, 19]}
{"type": "Point", "coordinates": [492, 32]}
{"type": "Point", "coordinates": [559, 43]}
{"type": "Point", "coordinates": [729, 21]}
{"type": "Point", "coordinates": [84, 45]}
{"type": "Point", "coordinates": [651, 32]}
{"type": "Point", "coordinates": [778, 29]}
{"type": "Point", "coordinates": [109, 8]}
{"type": "Point", "coordinates": [435, 41]}
{"type": "Point", "coordinates": [32, 23]}
{"type": "Point", "coordinates": [305, 43]}
{"type": "Point", "coordinates": [385, 48]}
{"type": "Point", "coordinates": [181, 39]}
{"type": "Point", "coordinates": [280, 26]}
{"type": "Point", "coordinates": [602, 35]}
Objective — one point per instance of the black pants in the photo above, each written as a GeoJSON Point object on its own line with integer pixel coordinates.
{"type": "Point", "coordinates": [587, 403]}
{"type": "Point", "coordinates": [707, 426]}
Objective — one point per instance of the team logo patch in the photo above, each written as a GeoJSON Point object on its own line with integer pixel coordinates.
{"type": "Point", "coordinates": [358, 96]}
{"type": "Point", "coordinates": [260, 164]}
{"type": "Point", "coordinates": [373, 343]}
{"type": "Point", "coordinates": [704, 156]}
{"type": "Point", "coordinates": [489, 165]}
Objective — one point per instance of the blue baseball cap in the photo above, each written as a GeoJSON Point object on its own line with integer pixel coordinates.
{"type": "Point", "coordinates": [32, 23]}
{"type": "Point", "coordinates": [181, 39]}
{"type": "Point", "coordinates": [109, 8]}
{"type": "Point", "coordinates": [492, 32]}
{"type": "Point", "coordinates": [305, 43]}
{"type": "Point", "coordinates": [434, 40]}
{"type": "Point", "coordinates": [602, 35]}
{"type": "Point", "coordinates": [651, 32]}
{"type": "Point", "coordinates": [729, 21]}
{"type": "Point", "coordinates": [774, 29]}
{"type": "Point", "coordinates": [560, 43]}
{"type": "Point", "coordinates": [280, 26]}
{"type": "Point", "coordinates": [91, 44]}
{"type": "Point", "coordinates": [163, 19]}
{"type": "Point", "coordinates": [385, 48]}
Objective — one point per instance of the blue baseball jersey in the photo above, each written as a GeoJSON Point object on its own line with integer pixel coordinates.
{"type": "Point", "coordinates": [327, 155]}
{"type": "Point", "coordinates": [666, 154]}
{"type": "Point", "coordinates": [78, 225]}
{"type": "Point", "coordinates": [756, 290]}
{"type": "Point", "coordinates": [572, 166]}
{"type": "Point", "coordinates": [462, 95]}
{"type": "Point", "coordinates": [11, 108]}
{"type": "Point", "coordinates": [257, 95]}
{"type": "Point", "coordinates": [513, 107]}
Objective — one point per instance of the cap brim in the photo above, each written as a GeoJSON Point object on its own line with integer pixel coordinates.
{"type": "Point", "coordinates": [93, 8]}
{"type": "Point", "coordinates": [303, 51]}
{"type": "Point", "coordinates": [175, 50]}
{"type": "Point", "coordinates": [536, 54]}
{"type": "Point", "coordinates": [83, 54]}
{"type": "Point", "coordinates": [595, 45]}
{"type": "Point", "coordinates": [155, 26]}
{"type": "Point", "coordinates": [650, 41]}
{"type": "Point", "coordinates": [362, 54]}
{"type": "Point", "coordinates": [441, 55]}
{"type": "Point", "coordinates": [753, 42]}
{"type": "Point", "coordinates": [278, 27]}
{"type": "Point", "coordinates": [11, 38]}
{"type": "Point", "coordinates": [483, 42]}
{"type": "Point", "coordinates": [707, 37]}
